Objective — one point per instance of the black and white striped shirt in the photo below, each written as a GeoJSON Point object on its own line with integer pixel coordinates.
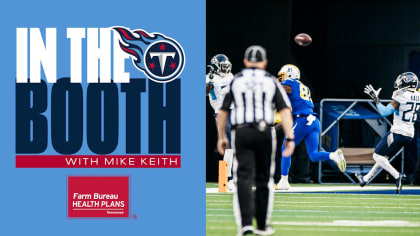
{"type": "Point", "coordinates": [255, 94]}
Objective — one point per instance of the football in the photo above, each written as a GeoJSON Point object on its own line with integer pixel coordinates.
{"type": "Point", "coordinates": [303, 39]}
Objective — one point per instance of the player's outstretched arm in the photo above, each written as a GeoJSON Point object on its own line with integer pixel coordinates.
{"type": "Point", "coordinates": [383, 110]}
{"type": "Point", "coordinates": [388, 109]}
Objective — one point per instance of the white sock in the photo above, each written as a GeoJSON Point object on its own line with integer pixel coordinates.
{"type": "Point", "coordinates": [384, 163]}
{"type": "Point", "coordinates": [333, 156]}
{"type": "Point", "coordinates": [375, 169]}
{"type": "Point", "coordinates": [284, 178]}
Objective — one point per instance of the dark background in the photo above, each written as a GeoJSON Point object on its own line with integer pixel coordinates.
{"type": "Point", "coordinates": [354, 43]}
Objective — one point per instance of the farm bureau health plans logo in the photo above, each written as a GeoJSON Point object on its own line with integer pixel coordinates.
{"type": "Point", "coordinates": [159, 57]}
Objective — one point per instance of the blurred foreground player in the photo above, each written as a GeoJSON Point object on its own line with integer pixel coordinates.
{"type": "Point", "coordinates": [306, 124]}
{"type": "Point", "coordinates": [405, 105]}
{"type": "Point", "coordinates": [217, 85]}
{"type": "Point", "coordinates": [256, 94]}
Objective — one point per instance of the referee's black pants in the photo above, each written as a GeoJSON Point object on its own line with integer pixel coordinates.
{"type": "Point", "coordinates": [254, 162]}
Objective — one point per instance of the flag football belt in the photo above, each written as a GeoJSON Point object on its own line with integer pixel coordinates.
{"type": "Point", "coordinates": [299, 115]}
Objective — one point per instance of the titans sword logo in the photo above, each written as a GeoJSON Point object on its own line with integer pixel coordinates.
{"type": "Point", "coordinates": [159, 57]}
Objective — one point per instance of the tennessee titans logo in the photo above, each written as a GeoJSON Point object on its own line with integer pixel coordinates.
{"type": "Point", "coordinates": [408, 78]}
{"type": "Point", "coordinates": [161, 58]}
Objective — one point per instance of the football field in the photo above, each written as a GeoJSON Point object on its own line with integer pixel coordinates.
{"type": "Point", "coordinates": [327, 210]}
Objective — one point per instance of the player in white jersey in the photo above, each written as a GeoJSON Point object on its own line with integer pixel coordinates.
{"type": "Point", "coordinates": [217, 85]}
{"type": "Point", "coordinates": [405, 105]}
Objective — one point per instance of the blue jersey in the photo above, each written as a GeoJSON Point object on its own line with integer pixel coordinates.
{"type": "Point", "coordinates": [306, 127]}
{"type": "Point", "coordinates": [300, 97]}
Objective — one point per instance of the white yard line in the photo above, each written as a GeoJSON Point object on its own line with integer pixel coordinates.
{"type": "Point", "coordinates": [354, 223]}
{"type": "Point", "coordinates": [348, 229]}
{"type": "Point", "coordinates": [342, 196]}
{"type": "Point", "coordinates": [326, 211]}
{"type": "Point", "coordinates": [327, 206]}
{"type": "Point", "coordinates": [331, 189]}
{"type": "Point", "coordinates": [362, 197]}
{"type": "Point", "coordinates": [327, 229]}
{"type": "Point", "coordinates": [309, 216]}
{"type": "Point", "coordinates": [210, 201]}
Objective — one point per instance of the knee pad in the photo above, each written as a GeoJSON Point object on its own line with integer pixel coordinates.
{"type": "Point", "coordinates": [380, 159]}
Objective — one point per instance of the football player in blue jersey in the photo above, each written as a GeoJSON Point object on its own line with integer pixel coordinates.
{"type": "Point", "coordinates": [305, 123]}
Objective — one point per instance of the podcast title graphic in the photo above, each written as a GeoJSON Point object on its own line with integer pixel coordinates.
{"type": "Point", "coordinates": [59, 120]}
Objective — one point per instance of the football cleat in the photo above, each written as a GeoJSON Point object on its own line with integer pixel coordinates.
{"type": "Point", "coordinates": [283, 184]}
{"type": "Point", "coordinates": [360, 178]}
{"type": "Point", "coordinates": [399, 181]}
{"type": "Point", "coordinates": [338, 158]}
{"type": "Point", "coordinates": [247, 230]}
{"type": "Point", "coordinates": [269, 230]}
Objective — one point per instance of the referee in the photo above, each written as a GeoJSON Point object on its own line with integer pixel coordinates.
{"type": "Point", "coordinates": [255, 95]}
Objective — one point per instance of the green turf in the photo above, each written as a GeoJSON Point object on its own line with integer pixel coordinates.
{"type": "Point", "coordinates": [314, 208]}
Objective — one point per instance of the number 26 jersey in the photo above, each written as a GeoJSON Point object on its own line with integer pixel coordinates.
{"type": "Point", "coordinates": [300, 98]}
{"type": "Point", "coordinates": [406, 114]}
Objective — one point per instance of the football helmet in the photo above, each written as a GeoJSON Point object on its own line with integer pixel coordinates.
{"type": "Point", "coordinates": [288, 71]}
{"type": "Point", "coordinates": [221, 64]}
{"type": "Point", "coordinates": [407, 80]}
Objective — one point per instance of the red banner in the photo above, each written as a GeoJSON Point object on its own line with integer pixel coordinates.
{"type": "Point", "coordinates": [98, 161]}
{"type": "Point", "coordinates": [98, 196]}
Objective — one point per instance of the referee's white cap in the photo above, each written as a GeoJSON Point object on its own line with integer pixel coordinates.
{"type": "Point", "coordinates": [255, 53]}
